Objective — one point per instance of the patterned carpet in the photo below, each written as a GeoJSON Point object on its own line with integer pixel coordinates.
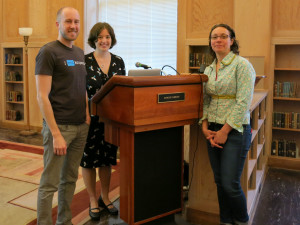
{"type": "Point", "coordinates": [20, 170]}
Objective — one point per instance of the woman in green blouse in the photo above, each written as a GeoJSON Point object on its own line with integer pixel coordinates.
{"type": "Point", "coordinates": [226, 120]}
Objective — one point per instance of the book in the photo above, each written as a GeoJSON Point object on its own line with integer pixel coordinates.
{"type": "Point", "coordinates": [274, 149]}
{"type": "Point", "coordinates": [292, 149]}
{"type": "Point", "coordinates": [281, 148]}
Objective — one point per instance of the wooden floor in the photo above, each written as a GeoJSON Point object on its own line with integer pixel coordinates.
{"type": "Point", "coordinates": [279, 203]}
{"type": "Point", "coordinates": [106, 219]}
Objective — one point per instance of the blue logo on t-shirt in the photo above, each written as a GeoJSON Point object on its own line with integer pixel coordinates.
{"type": "Point", "coordinates": [70, 63]}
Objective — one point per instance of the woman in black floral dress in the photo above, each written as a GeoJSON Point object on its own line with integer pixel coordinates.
{"type": "Point", "coordinates": [101, 65]}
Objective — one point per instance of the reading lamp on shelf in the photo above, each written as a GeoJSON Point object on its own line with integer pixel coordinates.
{"type": "Point", "coordinates": [26, 32]}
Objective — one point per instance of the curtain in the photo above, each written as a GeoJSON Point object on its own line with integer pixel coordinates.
{"type": "Point", "coordinates": [146, 30]}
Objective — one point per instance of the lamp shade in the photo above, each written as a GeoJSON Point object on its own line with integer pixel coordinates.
{"type": "Point", "coordinates": [25, 31]}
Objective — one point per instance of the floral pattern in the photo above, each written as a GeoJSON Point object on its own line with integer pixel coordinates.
{"type": "Point", "coordinates": [98, 152]}
{"type": "Point", "coordinates": [228, 93]}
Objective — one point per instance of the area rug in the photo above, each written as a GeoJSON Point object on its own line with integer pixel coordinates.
{"type": "Point", "coordinates": [20, 170]}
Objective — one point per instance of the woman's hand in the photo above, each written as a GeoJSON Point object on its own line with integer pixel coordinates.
{"type": "Point", "coordinates": [219, 139]}
{"type": "Point", "coordinates": [209, 134]}
{"type": "Point", "coordinates": [221, 136]}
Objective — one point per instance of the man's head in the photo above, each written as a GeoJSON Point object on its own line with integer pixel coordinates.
{"type": "Point", "coordinates": [68, 24]}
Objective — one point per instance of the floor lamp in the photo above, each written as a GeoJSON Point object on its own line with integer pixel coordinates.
{"type": "Point", "coordinates": [26, 32]}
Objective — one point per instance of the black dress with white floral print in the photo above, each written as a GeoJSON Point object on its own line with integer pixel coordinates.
{"type": "Point", "coordinates": [98, 152]}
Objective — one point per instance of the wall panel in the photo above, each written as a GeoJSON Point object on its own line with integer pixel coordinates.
{"type": "Point", "coordinates": [43, 26]}
{"type": "Point", "coordinates": [202, 15]}
{"type": "Point", "coordinates": [35, 115]}
{"type": "Point", "coordinates": [15, 15]}
{"type": "Point", "coordinates": [253, 34]}
{"type": "Point", "coordinates": [40, 15]}
{"type": "Point", "coordinates": [1, 21]}
{"type": "Point", "coordinates": [286, 18]}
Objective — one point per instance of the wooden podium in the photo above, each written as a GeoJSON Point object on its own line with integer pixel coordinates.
{"type": "Point", "coordinates": [145, 117]}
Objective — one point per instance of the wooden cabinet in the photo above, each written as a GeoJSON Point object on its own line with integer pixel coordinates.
{"type": "Point", "coordinates": [18, 89]}
{"type": "Point", "coordinates": [286, 105]}
{"type": "Point", "coordinates": [203, 203]}
{"type": "Point", "coordinates": [254, 169]}
{"type": "Point", "coordinates": [13, 87]}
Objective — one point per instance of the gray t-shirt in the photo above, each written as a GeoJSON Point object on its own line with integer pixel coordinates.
{"type": "Point", "coordinates": [68, 90]}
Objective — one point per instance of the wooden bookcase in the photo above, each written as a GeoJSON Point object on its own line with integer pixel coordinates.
{"type": "Point", "coordinates": [203, 203]}
{"type": "Point", "coordinates": [31, 117]}
{"type": "Point", "coordinates": [286, 68]}
{"type": "Point", "coordinates": [13, 81]}
{"type": "Point", "coordinates": [199, 57]}
{"type": "Point", "coordinates": [255, 166]}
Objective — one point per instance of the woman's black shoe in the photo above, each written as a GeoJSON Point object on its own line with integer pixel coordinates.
{"type": "Point", "coordinates": [111, 211]}
{"type": "Point", "coordinates": [94, 215]}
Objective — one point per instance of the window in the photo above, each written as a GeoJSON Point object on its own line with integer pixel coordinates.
{"type": "Point", "coordinates": [146, 30]}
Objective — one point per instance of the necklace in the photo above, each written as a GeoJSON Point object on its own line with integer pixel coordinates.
{"type": "Point", "coordinates": [102, 60]}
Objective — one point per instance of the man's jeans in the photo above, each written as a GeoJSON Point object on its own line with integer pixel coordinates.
{"type": "Point", "coordinates": [227, 165]}
{"type": "Point", "coordinates": [60, 173]}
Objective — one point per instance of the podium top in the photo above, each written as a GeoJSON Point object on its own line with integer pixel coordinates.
{"type": "Point", "coordinates": [150, 81]}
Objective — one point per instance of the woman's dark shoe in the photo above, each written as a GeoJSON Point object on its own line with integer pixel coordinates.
{"type": "Point", "coordinates": [94, 215]}
{"type": "Point", "coordinates": [112, 211]}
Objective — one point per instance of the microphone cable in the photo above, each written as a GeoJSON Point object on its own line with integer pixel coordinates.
{"type": "Point", "coordinates": [196, 147]}
{"type": "Point", "coordinates": [171, 68]}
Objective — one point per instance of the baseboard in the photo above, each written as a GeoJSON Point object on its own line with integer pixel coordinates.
{"type": "Point", "coordinates": [21, 147]}
{"type": "Point", "coordinates": [195, 216]}
{"type": "Point", "coordinates": [284, 162]}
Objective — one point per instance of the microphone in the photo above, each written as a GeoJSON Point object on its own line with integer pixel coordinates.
{"type": "Point", "coordinates": [138, 64]}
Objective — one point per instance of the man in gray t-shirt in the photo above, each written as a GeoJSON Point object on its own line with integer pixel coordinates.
{"type": "Point", "coordinates": [61, 93]}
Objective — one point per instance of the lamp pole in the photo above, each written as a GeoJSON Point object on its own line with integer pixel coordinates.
{"type": "Point", "coordinates": [26, 32]}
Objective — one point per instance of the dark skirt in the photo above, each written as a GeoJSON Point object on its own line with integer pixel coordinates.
{"type": "Point", "coordinates": [97, 152]}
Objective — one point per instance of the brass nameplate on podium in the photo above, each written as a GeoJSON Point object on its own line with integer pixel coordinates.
{"type": "Point", "coordinates": [171, 97]}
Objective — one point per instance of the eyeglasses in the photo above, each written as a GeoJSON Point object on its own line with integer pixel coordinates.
{"type": "Point", "coordinates": [223, 37]}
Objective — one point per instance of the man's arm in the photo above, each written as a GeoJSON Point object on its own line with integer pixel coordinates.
{"type": "Point", "coordinates": [43, 85]}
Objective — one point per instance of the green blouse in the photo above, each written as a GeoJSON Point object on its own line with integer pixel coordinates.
{"type": "Point", "coordinates": [228, 94]}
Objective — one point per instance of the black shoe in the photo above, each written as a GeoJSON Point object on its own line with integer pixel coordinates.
{"type": "Point", "coordinates": [111, 211]}
{"type": "Point", "coordinates": [94, 215]}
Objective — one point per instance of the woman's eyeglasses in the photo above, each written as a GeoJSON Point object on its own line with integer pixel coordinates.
{"type": "Point", "coordinates": [223, 37]}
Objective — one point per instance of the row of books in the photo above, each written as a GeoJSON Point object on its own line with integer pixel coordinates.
{"type": "Point", "coordinates": [197, 59]}
{"type": "Point", "coordinates": [13, 115]}
{"type": "Point", "coordinates": [15, 96]}
{"type": "Point", "coordinates": [285, 89]}
{"type": "Point", "coordinates": [13, 76]}
{"type": "Point", "coordinates": [287, 148]}
{"type": "Point", "coordinates": [286, 120]}
{"type": "Point", "coordinates": [12, 59]}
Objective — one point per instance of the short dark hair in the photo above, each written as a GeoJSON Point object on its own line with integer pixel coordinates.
{"type": "Point", "coordinates": [96, 30]}
{"type": "Point", "coordinates": [234, 47]}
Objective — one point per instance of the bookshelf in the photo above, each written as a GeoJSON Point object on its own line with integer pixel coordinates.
{"type": "Point", "coordinates": [199, 57]}
{"type": "Point", "coordinates": [13, 87]}
{"type": "Point", "coordinates": [286, 105]}
{"type": "Point", "coordinates": [255, 165]}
